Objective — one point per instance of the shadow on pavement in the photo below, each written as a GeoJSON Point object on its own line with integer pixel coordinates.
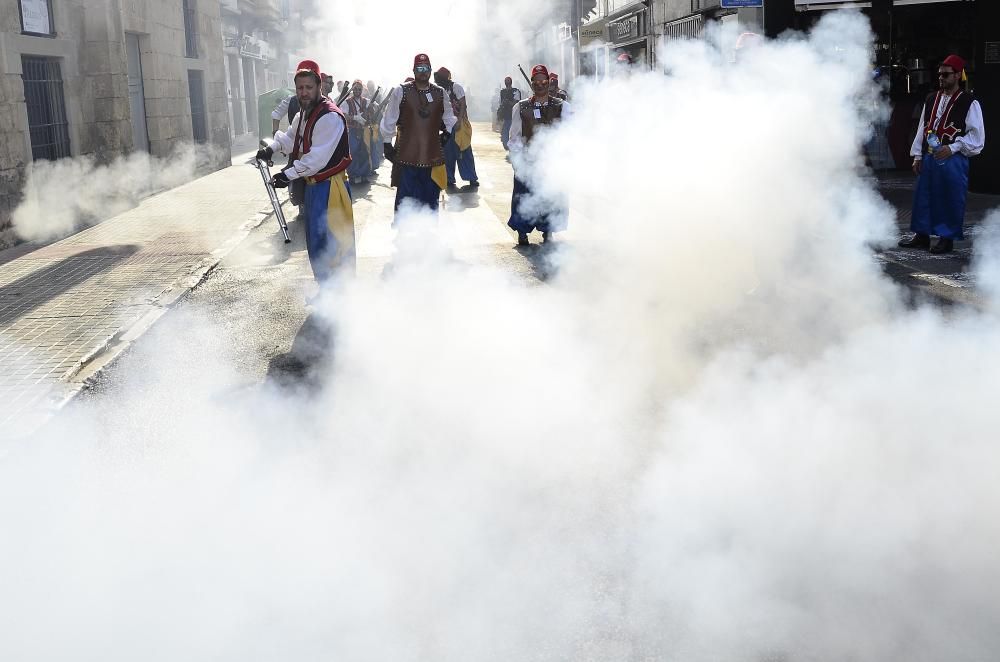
{"type": "Point", "coordinates": [309, 359]}
{"type": "Point", "coordinates": [20, 297]}
{"type": "Point", "coordinates": [542, 258]}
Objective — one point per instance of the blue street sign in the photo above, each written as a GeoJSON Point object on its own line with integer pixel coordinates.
{"type": "Point", "coordinates": [735, 4]}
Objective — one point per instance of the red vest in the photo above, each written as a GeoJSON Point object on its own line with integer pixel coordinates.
{"type": "Point", "coordinates": [341, 155]}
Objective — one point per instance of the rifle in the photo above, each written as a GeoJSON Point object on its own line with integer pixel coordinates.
{"type": "Point", "coordinates": [265, 172]}
{"type": "Point", "coordinates": [526, 79]}
{"type": "Point", "coordinates": [343, 93]}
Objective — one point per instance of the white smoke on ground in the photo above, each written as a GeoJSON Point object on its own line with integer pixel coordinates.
{"type": "Point", "coordinates": [716, 435]}
{"type": "Point", "coordinates": [60, 197]}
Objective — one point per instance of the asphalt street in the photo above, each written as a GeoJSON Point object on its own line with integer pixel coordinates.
{"type": "Point", "coordinates": [257, 294]}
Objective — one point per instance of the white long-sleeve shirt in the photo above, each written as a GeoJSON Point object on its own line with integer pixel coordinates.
{"type": "Point", "coordinates": [391, 117]}
{"type": "Point", "coordinates": [516, 141]}
{"type": "Point", "coordinates": [279, 111]}
{"type": "Point", "coordinates": [326, 135]}
{"type": "Point", "coordinates": [971, 144]}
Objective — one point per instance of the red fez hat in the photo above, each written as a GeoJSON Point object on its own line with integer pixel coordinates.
{"type": "Point", "coordinates": [443, 71]}
{"type": "Point", "coordinates": [308, 68]}
{"type": "Point", "coordinates": [308, 65]}
{"type": "Point", "coordinates": [955, 62]}
{"type": "Point", "coordinates": [357, 81]}
{"type": "Point", "coordinates": [553, 76]}
{"type": "Point", "coordinates": [421, 59]}
{"type": "Point", "coordinates": [539, 69]}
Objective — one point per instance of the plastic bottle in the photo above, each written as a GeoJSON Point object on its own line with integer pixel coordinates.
{"type": "Point", "coordinates": [934, 143]}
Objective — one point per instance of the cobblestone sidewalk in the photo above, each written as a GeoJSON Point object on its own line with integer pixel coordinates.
{"type": "Point", "coordinates": [64, 305]}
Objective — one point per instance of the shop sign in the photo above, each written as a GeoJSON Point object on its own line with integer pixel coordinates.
{"type": "Point", "coordinates": [252, 47]}
{"type": "Point", "coordinates": [991, 52]}
{"type": "Point", "coordinates": [736, 4]}
{"type": "Point", "coordinates": [627, 29]}
{"type": "Point", "coordinates": [592, 32]}
{"type": "Point", "coordinates": [35, 17]}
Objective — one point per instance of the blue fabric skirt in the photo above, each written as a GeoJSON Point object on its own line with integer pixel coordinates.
{"type": "Point", "coordinates": [416, 184]}
{"type": "Point", "coordinates": [529, 213]}
{"type": "Point", "coordinates": [330, 228]}
{"type": "Point", "coordinates": [939, 199]}
{"type": "Point", "coordinates": [465, 160]}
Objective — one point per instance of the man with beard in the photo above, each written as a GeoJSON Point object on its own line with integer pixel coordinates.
{"type": "Point", "coordinates": [418, 109]}
{"type": "Point", "coordinates": [951, 131]}
{"type": "Point", "coordinates": [509, 96]}
{"type": "Point", "coordinates": [455, 153]}
{"type": "Point", "coordinates": [528, 211]}
{"type": "Point", "coordinates": [357, 110]}
{"type": "Point", "coordinates": [317, 145]}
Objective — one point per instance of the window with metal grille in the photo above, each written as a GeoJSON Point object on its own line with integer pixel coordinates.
{"type": "Point", "coordinates": [196, 92]}
{"type": "Point", "coordinates": [43, 96]}
{"type": "Point", "coordinates": [190, 29]}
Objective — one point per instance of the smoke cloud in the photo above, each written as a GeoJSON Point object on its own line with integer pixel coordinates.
{"type": "Point", "coordinates": [60, 197]}
{"type": "Point", "coordinates": [715, 434]}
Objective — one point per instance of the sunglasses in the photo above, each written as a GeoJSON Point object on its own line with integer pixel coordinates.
{"type": "Point", "coordinates": [421, 69]}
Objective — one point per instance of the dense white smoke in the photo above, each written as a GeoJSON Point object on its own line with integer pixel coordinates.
{"type": "Point", "coordinates": [62, 196]}
{"type": "Point", "coordinates": [714, 435]}
{"type": "Point", "coordinates": [479, 42]}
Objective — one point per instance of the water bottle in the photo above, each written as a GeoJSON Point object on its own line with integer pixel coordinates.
{"type": "Point", "coordinates": [933, 142]}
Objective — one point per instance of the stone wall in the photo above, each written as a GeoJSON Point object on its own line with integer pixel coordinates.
{"type": "Point", "coordinates": [90, 43]}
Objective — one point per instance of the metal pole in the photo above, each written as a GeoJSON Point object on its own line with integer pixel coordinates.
{"type": "Point", "coordinates": [265, 173]}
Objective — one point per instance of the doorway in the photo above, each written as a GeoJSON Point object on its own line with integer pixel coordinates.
{"type": "Point", "coordinates": [136, 94]}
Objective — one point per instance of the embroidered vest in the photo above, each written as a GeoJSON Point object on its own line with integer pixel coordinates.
{"type": "Point", "coordinates": [293, 108]}
{"type": "Point", "coordinates": [952, 123]}
{"type": "Point", "coordinates": [551, 112]}
{"type": "Point", "coordinates": [341, 155]}
{"type": "Point", "coordinates": [420, 122]}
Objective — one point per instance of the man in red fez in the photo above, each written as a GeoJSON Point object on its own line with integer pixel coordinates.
{"type": "Point", "coordinates": [418, 110]}
{"type": "Point", "coordinates": [456, 154]}
{"type": "Point", "coordinates": [531, 117]}
{"type": "Point", "coordinates": [357, 109]}
{"type": "Point", "coordinates": [319, 153]}
{"type": "Point", "coordinates": [951, 131]}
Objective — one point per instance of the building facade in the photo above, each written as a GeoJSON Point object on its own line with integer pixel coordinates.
{"type": "Point", "coordinates": [105, 78]}
{"type": "Point", "coordinates": [255, 36]}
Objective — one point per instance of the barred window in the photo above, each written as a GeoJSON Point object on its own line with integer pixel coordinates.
{"type": "Point", "coordinates": [190, 29]}
{"type": "Point", "coordinates": [46, 105]}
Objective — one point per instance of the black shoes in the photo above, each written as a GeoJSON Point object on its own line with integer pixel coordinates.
{"type": "Point", "coordinates": [522, 239]}
{"type": "Point", "coordinates": [546, 237]}
{"type": "Point", "coordinates": [916, 241]}
{"type": "Point", "coordinates": [943, 246]}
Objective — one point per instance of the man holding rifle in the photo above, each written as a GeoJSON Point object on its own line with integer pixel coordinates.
{"type": "Point", "coordinates": [529, 212]}
{"type": "Point", "coordinates": [317, 145]}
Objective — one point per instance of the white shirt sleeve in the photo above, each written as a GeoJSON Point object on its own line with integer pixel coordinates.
{"type": "Point", "coordinates": [285, 140]}
{"type": "Point", "coordinates": [279, 111]}
{"type": "Point", "coordinates": [458, 90]}
{"type": "Point", "coordinates": [449, 114]}
{"type": "Point", "coordinates": [917, 148]}
{"type": "Point", "coordinates": [391, 116]}
{"type": "Point", "coordinates": [516, 141]}
{"type": "Point", "coordinates": [326, 135]}
{"type": "Point", "coordinates": [972, 143]}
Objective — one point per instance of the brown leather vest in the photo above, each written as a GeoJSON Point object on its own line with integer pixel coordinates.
{"type": "Point", "coordinates": [418, 143]}
{"type": "Point", "coordinates": [551, 112]}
